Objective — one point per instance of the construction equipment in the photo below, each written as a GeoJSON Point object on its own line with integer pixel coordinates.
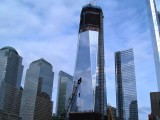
{"type": "Point", "coordinates": [71, 99]}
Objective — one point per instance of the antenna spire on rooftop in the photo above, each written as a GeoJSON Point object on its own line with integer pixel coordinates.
{"type": "Point", "coordinates": [92, 3]}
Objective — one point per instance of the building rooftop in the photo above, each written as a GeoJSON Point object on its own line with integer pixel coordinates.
{"type": "Point", "coordinates": [42, 60]}
{"type": "Point", "coordinates": [9, 48]}
{"type": "Point", "coordinates": [128, 50]}
{"type": "Point", "coordinates": [65, 74]}
{"type": "Point", "coordinates": [91, 6]}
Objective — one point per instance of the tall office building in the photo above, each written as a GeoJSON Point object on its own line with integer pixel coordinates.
{"type": "Point", "coordinates": [154, 20]}
{"type": "Point", "coordinates": [37, 94]}
{"type": "Point", "coordinates": [90, 63]}
{"type": "Point", "coordinates": [65, 85]}
{"type": "Point", "coordinates": [155, 103]}
{"type": "Point", "coordinates": [126, 95]}
{"type": "Point", "coordinates": [11, 70]}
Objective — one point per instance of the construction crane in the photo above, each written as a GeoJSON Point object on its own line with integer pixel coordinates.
{"type": "Point", "coordinates": [70, 100]}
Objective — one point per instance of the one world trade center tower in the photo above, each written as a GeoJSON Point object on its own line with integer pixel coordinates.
{"type": "Point", "coordinates": [90, 62]}
{"type": "Point", "coordinates": [154, 20]}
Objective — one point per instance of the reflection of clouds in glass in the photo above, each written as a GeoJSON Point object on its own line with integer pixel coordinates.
{"type": "Point", "coordinates": [86, 69]}
{"type": "Point", "coordinates": [83, 39]}
{"type": "Point", "coordinates": [125, 76]}
{"type": "Point", "coordinates": [80, 71]}
{"type": "Point", "coordinates": [86, 82]}
{"type": "Point", "coordinates": [84, 105]}
{"type": "Point", "coordinates": [93, 37]}
{"type": "Point", "coordinates": [94, 76]}
{"type": "Point", "coordinates": [157, 5]}
{"type": "Point", "coordinates": [94, 81]}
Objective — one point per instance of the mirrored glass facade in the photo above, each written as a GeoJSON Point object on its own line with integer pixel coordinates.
{"type": "Point", "coordinates": [154, 20]}
{"type": "Point", "coordinates": [126, 94]}
{"type": "Point", "coordinates": [84, 67]}
{"type": "Point", "coordinates": [37, 91]}
{"type": "Point", "coordinates": [11, 70]}
{"type": "Point", "coordinates": [90, 65]}
{"type": "Point", "coordinates": [65, 86]}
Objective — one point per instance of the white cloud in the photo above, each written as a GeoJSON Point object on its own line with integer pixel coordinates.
{"type": "Point", "coordinates": [145, 110]}
{"type": "Point", "coordinates": [49, 29]}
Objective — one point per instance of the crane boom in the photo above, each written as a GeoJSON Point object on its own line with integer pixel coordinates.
{"type": "Point", "coordinates": [71, 99]}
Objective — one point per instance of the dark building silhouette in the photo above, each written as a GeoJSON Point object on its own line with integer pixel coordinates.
{"type": "Point", "coordinates": [151, 117]}
{"type": "Point", "coordinates": [155, 103]}
{"type": "Point", "coordinates": [133, 115]}
{"type": "Point", "coordinates": [159, 16]}
{"type": "Point", "coordinates": [85, 116]}
{"type": "Point", "coordinates": [43, 107]}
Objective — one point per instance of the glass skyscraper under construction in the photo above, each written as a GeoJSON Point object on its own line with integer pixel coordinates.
{"type": "Point", "coordinates": [154, 20]}
{"type": "Point", "coordinates": [90, 62]}
{"type": "Point", "coordinates": [126, 93]}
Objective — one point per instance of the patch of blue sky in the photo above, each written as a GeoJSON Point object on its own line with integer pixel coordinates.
{"type": "Point", "coordinates": [49, 29]}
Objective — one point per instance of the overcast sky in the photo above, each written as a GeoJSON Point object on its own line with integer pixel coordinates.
{"type": "Point", "coordinates": [49, 29]}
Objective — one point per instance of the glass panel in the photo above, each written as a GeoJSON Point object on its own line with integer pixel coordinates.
{"type": "Point", "coordinates": [37, 88]}
{"type": "Point", "coordinates": [65, 85]}
{"type": "Point", "coordinates": [155, 33]}
{"type": "Point", "coordinates": [126, 86]}
{"type": "Point", "coordinates": [93, 37]}
{"type": "Point", "coordinates": [157, 5]}
{"type": "Point", "coordinates": [86, 69]}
